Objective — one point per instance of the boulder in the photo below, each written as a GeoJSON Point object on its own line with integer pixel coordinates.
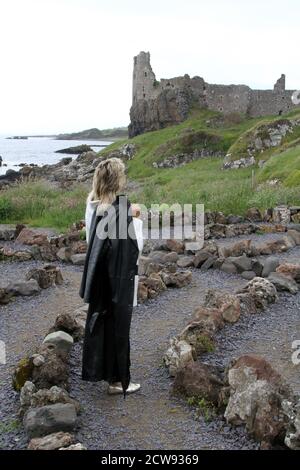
{"type": "Point", "coordinates": [242, 263]}
{"type": "Point", "coordinates": [71, 323]}
{"type": "Point", "coordinates": [78, 259]}
{"type": "Point", "coordinates": [228, 267]}
{"type": "Point", "coordinates": [200, 381]}
{"type": "Point", "coordinates": [179, 354]}
{"type": "Point", "coordinates": [52, 396]}
{"type": "Point", "coordinates": [253, 214]}
{"type": "Point", "coordinates": [217, 230]}
{"type": "Point", "coordinates": [270, 265]}
{"type": "Point", "coordinates": [30, 397]}
{"type": "Point", "coordinates": [295, 235]}
{"type": "Point", "coordinates": [62, 340]}
{"type": "Point", "coordinates": [262, 291]}
{"type": "Point", "coordinates": [153, 268]}
{"type": "Point", "coordinates": [54, 369]}
{"type": "Point", "coordinates": [29, 236]}
{"type": "Point", "coordinates": [50, 419]}
{"type": "Point", "coordinates": [185, 261]}
{"type": "Point", "coordinates": [200, 258]}
{"type": "Point", "coordinates": [283, 283]}
{"type": "Point", "coordinates": [281, 214]}
{"type": "Point", "coordinates": [248, 275]}
{"type": "Point", "coordinates": [228, 304]}
{"type": "Point", "coordinates": [175, 245]}
{"type": "Point", "coordinates": [5, 296]}
{"type": "Point", "coordinates": [198, 337]}
{"type": "Point", "coordinates": [64, 253]}
{"type": "Point", "coordinates": [51, 441]}
{"type": "Point", "coordinates": [46, 276]}
{"type": "Point", "coordinates": [211, 318]}
{"type": "Point", "coordinates": [242, 247]}
{"type": "Point", "coordinates": [257, 267]}
{"type": "Point", "coordinates": [155, 283]}
{"type": "Point", "coordinates": [171, 257]}
{"type": "Point", "coordinates": [7, 232]}
{"type": "Point", "coordinates": [247, 303]}
{"type": "Point", "coordinates": [178, 279]}
{"type": "Point", "coordinates": [25, 288]}
{"type": "Point", "coordinates": [193, 247]}
{"type": "Point", "coordinates": [142, 293]}
{"type": "Point", "coordinates": [290, 270]}
{"type": "Point", "coordinates": [256, 395]}
{"type": "Point", "coordinates": [209, 263]}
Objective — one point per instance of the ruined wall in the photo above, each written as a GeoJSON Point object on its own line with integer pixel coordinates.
{"type": "Point", "coordinates": [157, 104]}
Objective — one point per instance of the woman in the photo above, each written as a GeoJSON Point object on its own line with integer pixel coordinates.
{"type": "Point", "coordinates": [109, 281]}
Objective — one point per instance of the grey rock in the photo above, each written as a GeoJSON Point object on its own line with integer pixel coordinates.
{"type": "Point", "coordinates": [208, 263]}
{"type": "Point", "coordinates": [283, 283]}
{"type": "Point", "coordinates": [295, 235]}
{"type": "Point", "coordinates": [270, 266]}
{"type": "Point", "coordinates": [242, 263]}
{"type": "Point", "coordinates": [178, 355]}
{"type": "Point", "coordinates": [248, 275]}
{"type": "Point", "coordinates": [50, 419]}
{"type": "Point", "coordinates": [62, 340]}
{"type": "Point", "coordinates": [78, 259]}
{"type": "Point", "coordinates": [23, 287]}
{"type": "Point", "coordinates": [229, 267]}
{"type": "Point", "coordinates": [185, 261]}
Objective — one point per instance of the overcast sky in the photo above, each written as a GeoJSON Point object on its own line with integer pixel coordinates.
{"type": "Point", "coordinates": [66, 65]}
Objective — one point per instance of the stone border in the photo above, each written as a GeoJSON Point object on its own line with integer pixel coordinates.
{"type": "Point", "coordinates": [49, 414]}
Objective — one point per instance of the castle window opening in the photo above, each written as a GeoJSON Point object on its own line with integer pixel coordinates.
{"type": "Point", "coordinates": [145, 74]}
{"type": "Point", "coordinates": [144, 95]}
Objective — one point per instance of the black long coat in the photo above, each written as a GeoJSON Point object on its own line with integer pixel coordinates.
{"type": "Point", "coordinates": [108, 286]}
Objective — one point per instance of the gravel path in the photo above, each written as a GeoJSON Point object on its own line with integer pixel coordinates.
{"type": "Point", "coordinates": [152, 418]}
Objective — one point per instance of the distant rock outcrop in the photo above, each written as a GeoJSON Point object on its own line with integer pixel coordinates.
{"type": "Point", "coordinates": [96, 134]}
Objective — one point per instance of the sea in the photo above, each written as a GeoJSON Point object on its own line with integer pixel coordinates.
{"type": "Point", "coordinates": [38, 150]}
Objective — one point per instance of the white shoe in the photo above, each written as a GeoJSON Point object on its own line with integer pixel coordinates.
{"type": "Point", "coordinates": [116, 388]}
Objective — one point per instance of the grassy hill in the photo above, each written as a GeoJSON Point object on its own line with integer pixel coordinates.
{"type": "Point", "coordinates": [204, 180]}
{"type": "Point", "coordinates": [96, 134]}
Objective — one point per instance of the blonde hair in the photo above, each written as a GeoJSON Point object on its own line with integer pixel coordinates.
{"type": "Point", "coordinates": [109, 178]}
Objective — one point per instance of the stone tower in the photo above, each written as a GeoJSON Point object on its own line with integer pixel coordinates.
{"type": "Point", "coordinates": [144, 79]}
{"type": "Point", "coordinates": [280, 84]}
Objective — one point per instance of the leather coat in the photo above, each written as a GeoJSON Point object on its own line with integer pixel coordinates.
{"type": "Point", "coordinates": [108, 286]}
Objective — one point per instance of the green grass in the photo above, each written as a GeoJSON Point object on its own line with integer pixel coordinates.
{"type": "Point", "coordinates": [284, 166]}
{"type": "Point", "coordinates": [40, 204]}
{"type": "Point", "coordinates": [204, 407]}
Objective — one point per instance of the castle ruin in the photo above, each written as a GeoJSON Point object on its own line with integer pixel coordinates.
{"type": "Point", "coordinates": [157, 104]}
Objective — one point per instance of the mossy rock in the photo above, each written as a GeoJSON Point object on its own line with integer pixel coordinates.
{"type": "Point", "coordinates": [22, 373]}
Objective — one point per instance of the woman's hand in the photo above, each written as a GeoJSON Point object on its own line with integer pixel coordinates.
{"type": "Point", "coordinates": [135, 210]}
